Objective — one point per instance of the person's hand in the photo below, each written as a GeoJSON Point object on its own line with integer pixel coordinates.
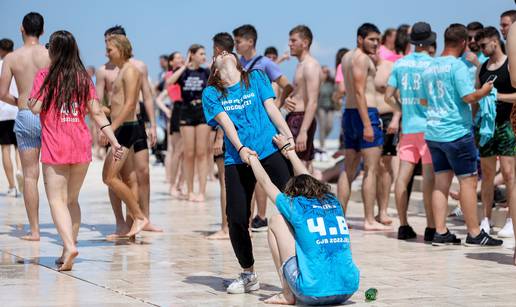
{"type": "Point", "coordinates": [284, 57]}
{"type": "Point", "coordinates": [103, 140]}
{"type": "Point", "coordinates": [368, 134]}
{"type": "Point", "coordinates": [301, 141]}
{"type": "Point", "coordinates": [283, 143]}
{"type": "Point", "coordinates": [245, 153]}
{"type": "Point", "coordinates": [117, 150]}
{"type": "Point", "coordinates": [188, 59]}
{"type": "Point", "coordinates": [393, 127]}
{"type": "Point", "coordinates": [338, 153]}
{"type": "Point", "coordinates": [168, 113]}
{"type": "Point", "coordinates": [217, 146]}
{"type": "Point", "coordinates": [487, 87]}
{"type": "Point", "coordinates": [152, 136]}
{"type": "Point", "coordinates": [472, 58]}
{"type": "Point", "coordinates": [290, 104]}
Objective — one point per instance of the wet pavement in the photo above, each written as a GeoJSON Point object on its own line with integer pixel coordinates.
{"type": "Point", "coordinates": [179, 267]}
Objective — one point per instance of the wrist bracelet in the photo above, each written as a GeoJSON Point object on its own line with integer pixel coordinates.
{"type": "Point", "coordinates": [286, 146]}
{"type": "Point", "coordinates": [104, 126]}
{"type": "Point", "coordinates": [240, 149]}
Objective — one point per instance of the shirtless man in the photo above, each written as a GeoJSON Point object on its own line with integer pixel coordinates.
{"type": "Point", "coordinates": [135, 173]}
{"type": "Point", "coordinates": [124, 99]}
{"type": "Point", "coordinates": [390, 125]}
{"type": "Point", "coordinates": [362, 131]}
{"type": "Point", "coordinates": [22, 64]}
{"type": "Point", "coordinates": [302, 103]}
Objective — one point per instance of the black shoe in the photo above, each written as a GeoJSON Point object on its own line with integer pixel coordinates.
{"type": "Point", "coordinates": [429, 234]}
{"type": "Point", "coordinates": [406, 233]}
{"type": "Point", "coordinates": [259, 225]}
{"type": "Point", "coordinates": [483, 239]}
{"type": "Point", "coordinates": [445, 239]}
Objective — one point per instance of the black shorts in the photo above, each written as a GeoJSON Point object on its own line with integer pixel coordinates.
{"type": "Point", "coordinates": [130, 134]}
{"type": "Point", "coordinates": [141, 142]}
{"type": "Point", "coordinates": [192, 114]}
{"type": "Point", "coordinates": [390, 141]}
{"type": "Point", "coordinates": [176, 116]}
{"type": "Point", "coordinates": [7, 136]}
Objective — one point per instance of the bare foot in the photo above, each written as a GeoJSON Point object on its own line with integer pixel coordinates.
{"type": "Point", "coordinates": [30, 237]}
{"type": "Point", "coordinates": [280, 299]}
{"type": "Point", "coordinates": [137, 226]}
{"type": "Point", "coordinates": [152, 228]}
{"type": "Point", "coordinates": [200, 198]}
{"type": "Point", "coordinates": [68, 258]}
{"type": "Point", "coordinates": [119, 233]}
{"type": "Point", "coordinates": [175, 193]}
{"type": "Point", "coordinates": [116, 236]}
{"type": "Point", "coordinates": [383, 219]}
{"type": "Point", "coordinates": [219, 235]}
{"type": "Point", "coordinates": [375, 226]}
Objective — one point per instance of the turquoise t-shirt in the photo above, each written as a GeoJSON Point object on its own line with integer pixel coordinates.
{"type": "Point", "coordinates": [322, 245]}
{"type": "Point", "coordinates": [445, 82]}
{"type": "Point", "coordinates": [406, 77]}
{"type": "Point", "coordinates": [245, 108]}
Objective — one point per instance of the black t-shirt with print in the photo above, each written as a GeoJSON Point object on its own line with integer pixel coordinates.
{"type": "Point", "coordinates": [193, 82]}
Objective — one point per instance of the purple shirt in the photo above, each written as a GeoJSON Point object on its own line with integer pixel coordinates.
{"type": "Point", "coordinates": [264, 64]}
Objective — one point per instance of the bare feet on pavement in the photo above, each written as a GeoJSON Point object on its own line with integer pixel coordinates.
{"type": "Point", "coordinates": [219, 235]}
{"type": "Point", "coordinates": [374, 226]}
{"type": "Point", "coordinates": [30, 237]}
{"type": "Point", "coordinates": [280, 299]}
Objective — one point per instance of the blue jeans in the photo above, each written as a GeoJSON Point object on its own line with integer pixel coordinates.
{"type": "Point", "coordinates": [291, 272]}
{"type": "Point", "coordinates": [459, 156]}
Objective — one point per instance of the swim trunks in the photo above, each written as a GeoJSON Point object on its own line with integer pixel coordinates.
{"type": "Point", "coordinates": [354, 130]}
{"type": "Point", "coordinates": [27, 128]}
{"type": "Point", "coordinates": [294, 122]}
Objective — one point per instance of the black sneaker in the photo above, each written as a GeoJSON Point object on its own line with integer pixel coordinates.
{"type": "Point", "coordinates": [445, 239]}
{"type": "Point", "coordinates": [483, 239]}
{"type": "Point", "coordinates": [429, 234]}
{"type": "Point", "coordinates": [406, 233]}
{"type": "Point", "coordinates": [259, 225]}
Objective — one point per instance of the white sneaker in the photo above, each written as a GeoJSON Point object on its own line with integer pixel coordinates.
{"type": "Point", "coordinates": [456, 212]}
{"type": "Point", "coordinates": [12, 192]}
{"type": "Point", "coordinates": [507, 231]}
{"type": "Point", "coordinates": [485, 226]}
{"type": "Point", "coordinates": [246, 282]}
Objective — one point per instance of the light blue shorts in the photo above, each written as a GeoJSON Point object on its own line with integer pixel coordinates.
{"type": "Point", "coordinates": [291, 273]}
{"type": "Point", "coordinates": [27, 128]}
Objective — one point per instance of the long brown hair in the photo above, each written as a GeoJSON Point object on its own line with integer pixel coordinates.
{"type": "Point", "coordinates": [307, 186]}
{"type": "Point", "coordinates": [67, 80]}
{"type": "Point", "coordinates": [215, 80]}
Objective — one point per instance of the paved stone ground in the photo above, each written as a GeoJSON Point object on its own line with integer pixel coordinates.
{"type": "Point", "coordinates": [181, 268]}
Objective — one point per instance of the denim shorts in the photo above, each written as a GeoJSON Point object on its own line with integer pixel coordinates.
{"type": "Point", "coordinates": [291, 273]}
{"type": "Point", "coordinates": [459, 156]}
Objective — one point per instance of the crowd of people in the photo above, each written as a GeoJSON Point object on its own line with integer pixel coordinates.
{"type": "Point", "coordinates": [404, 110]}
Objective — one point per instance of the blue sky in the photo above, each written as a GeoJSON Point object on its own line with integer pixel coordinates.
{"type": "Point", "coordinates": [160, 27]}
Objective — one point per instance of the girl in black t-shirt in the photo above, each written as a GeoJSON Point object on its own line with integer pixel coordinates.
{"type": "Point", "coordinates": [194, 131]}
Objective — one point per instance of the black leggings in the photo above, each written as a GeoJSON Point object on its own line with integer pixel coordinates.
{"type": "Point", "coordinates": [240, 182]}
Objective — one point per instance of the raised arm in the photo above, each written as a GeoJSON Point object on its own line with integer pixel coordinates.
{"type": "Point", "coordinates": [131, 87]}
{"type": "Point", "coordinates": [264, 179]}
{"type": "Point", "coordinates": [5, 82]}
{"type": "Point", "coordinates": [299, 167]}
{"type": "Point", "coordinates": [359, 73]}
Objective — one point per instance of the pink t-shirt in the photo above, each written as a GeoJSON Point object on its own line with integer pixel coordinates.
{"type": "Point", "coordinates": [389, 55]}
{"type": "Point", "coordinates": [65, 137]}
{"type": "Point", "coordinates": [339, 77]}
{"type": "Point", "coordinates": [173, 90]}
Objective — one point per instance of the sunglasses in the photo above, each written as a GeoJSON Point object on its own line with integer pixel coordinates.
{"type": "Point", "coordinates": [471, 38]}
{"type": "Point", "coordinates": [483, 45]}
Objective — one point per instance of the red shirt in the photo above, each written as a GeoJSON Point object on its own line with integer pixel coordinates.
{"type": "Point", "coordinates": [173, 90]}
{"type": "Point", "coordinates": [65, 137]}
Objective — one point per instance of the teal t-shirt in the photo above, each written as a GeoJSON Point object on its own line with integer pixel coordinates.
{"type": "Point", "coordinates": [472, 68]}
{"type": "Point", "coordinates": [445, 82]}
{"type": "Point", "coordinates": [245, 108]}
{"type": "Point", "coordinates": [406, 77]}
{"type": "Point", "coordinates": [322, 245]}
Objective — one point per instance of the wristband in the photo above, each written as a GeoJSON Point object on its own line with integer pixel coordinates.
{"type": "Point", "coordinates": [240, 149]}
{"type": "Point", "coordinates": [286, 146]}
{"type": "Point", "coordinates": [104, 126]}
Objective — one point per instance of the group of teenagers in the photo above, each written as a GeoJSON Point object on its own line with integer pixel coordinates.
{"type": "Point", "coordinates": [236, 107]}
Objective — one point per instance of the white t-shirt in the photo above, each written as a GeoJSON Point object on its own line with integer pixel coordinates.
{"type": "Point", "coordinates": [8, 111]}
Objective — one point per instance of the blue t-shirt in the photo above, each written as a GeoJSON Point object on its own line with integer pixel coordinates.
{"type": "Point", "coordinates": [245, 108]}
{"type": "Point", "coordinates": [446, 81]}
{"type": "Point", "coordinates": [406, 77]}
{"type": "Point", "coordinates": [264, 64]}
{"type": "Point", "coordinates": [322, 245]}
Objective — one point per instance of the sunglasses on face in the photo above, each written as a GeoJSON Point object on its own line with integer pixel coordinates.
{"type": "Point", "coordinates": [471, 38]}
{"type": "Point", "coordinates": [483, 45]}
